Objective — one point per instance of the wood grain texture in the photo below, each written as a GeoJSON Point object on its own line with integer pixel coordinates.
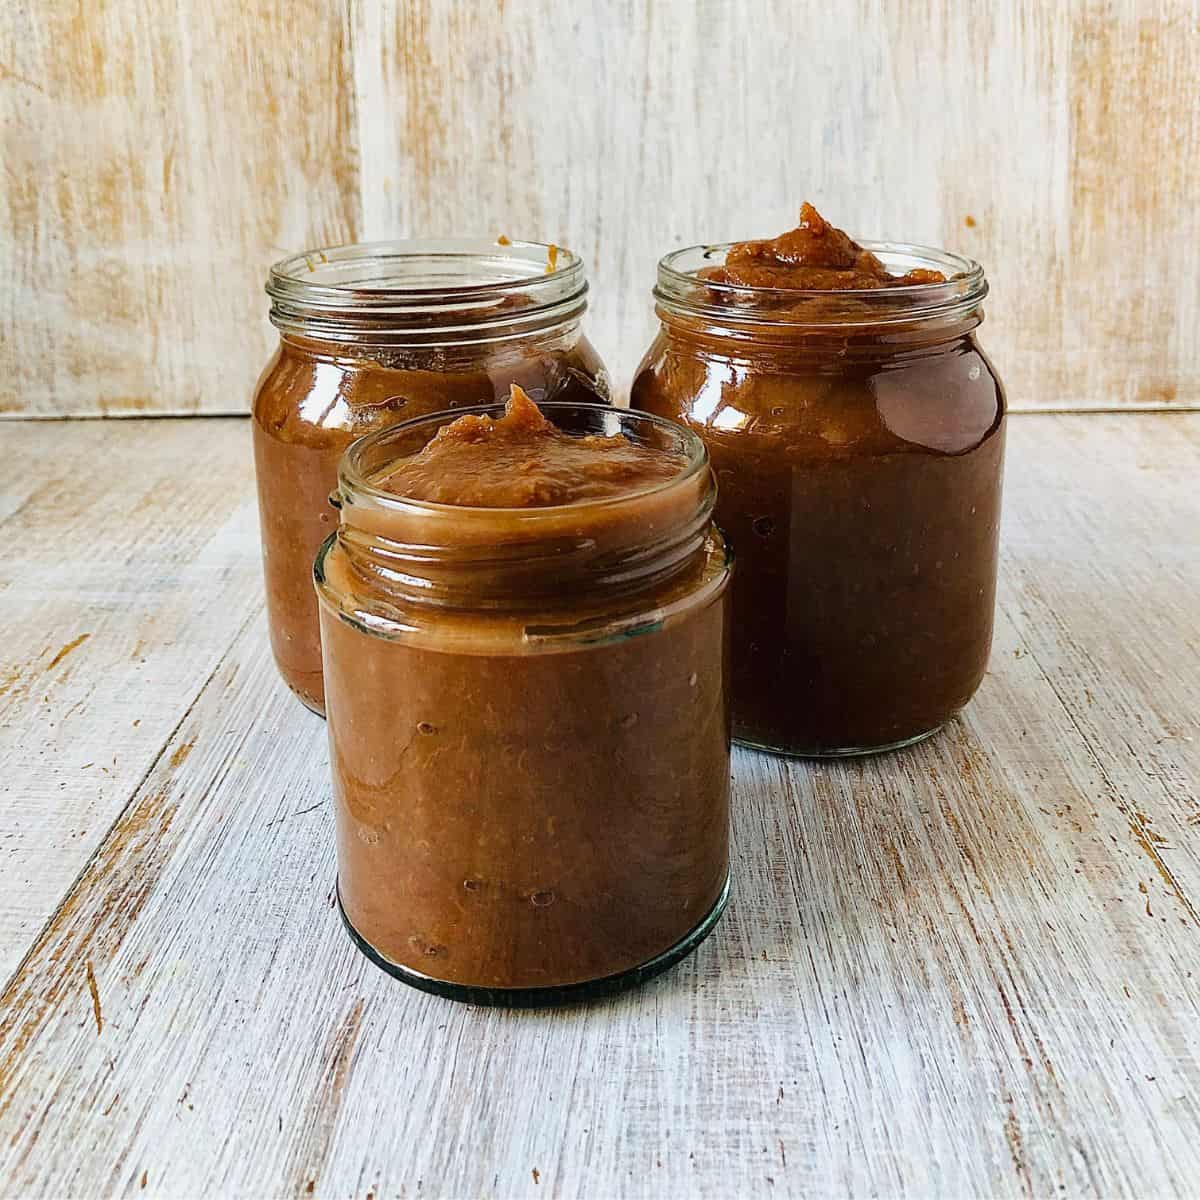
{"type": "Point", "coordinates": [966, 969]}
{"type": "Point", "coordinates": [118, 595]}
{"type": "Point", "coordinates": [158, 158]}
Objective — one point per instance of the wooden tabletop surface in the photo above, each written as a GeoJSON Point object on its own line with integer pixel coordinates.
{"type": "Point", "coordinates": [969, 968]}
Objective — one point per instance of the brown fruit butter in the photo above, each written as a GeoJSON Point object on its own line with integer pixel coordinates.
{"type": "Point", "coordinates": [371, 335]}
{"type": "Point", "coordinates": [525, 651]}
{"type": "Point", "coordinates": [857, 433]}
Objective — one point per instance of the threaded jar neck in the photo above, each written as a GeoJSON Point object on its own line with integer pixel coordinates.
{"type": "Point", "coordinates": [905, 314]}
{"type": "Point", "coordinates": [427, 292]}
{"type": "Point", "coordinates": [400, 551]}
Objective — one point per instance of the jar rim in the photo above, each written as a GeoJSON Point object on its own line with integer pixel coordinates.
{"type": "Point", "coordinates": [427, 553]}
{"type": "Point", "coordinates": [354, 482]}
{"type": "Point", "coordinates": [680, 290]}
{"type": "Point", "coordinates": [442, 290]}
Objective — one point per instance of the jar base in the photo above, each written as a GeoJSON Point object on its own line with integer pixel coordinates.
{"type": "Point", "coordinates": [545, 997]}
{"type": "Point", "coordinates": [841, 752]}
{"type": "Point", "coordinates": [308, 702]}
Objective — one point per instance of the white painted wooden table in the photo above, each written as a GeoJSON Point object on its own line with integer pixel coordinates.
{"type": "Point", "coordinates": [971, 968]}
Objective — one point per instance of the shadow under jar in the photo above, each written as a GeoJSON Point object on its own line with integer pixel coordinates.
{"type": "Point", "coordinates": [378, 333]}
{"type": "Point", "coordinates": [528, 723]}
{"type": "Point", "coordinates": [857, 438]}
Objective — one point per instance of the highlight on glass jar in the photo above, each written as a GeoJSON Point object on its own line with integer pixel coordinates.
{"type": "Point", "coordinates": [857, 433]}
{"type": "Point", "coordinates": [377, 333]}
{"type": "Point", "coordinates": [524, 624]}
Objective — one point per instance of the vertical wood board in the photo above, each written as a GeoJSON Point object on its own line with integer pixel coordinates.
{"type": "Point", "coordinates": [159, 157]}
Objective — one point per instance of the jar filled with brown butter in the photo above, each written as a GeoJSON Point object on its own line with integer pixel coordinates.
{"type": "Point", "coordinates": [377, 333]}
{"type": "Point", "coordinates": [527, 703]}
{"type": "Point", "coordinates": [857, 433]}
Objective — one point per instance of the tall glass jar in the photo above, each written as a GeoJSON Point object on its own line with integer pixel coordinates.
{"type": "Point", "coordinates": [378, 333]}
{"type": "Point", "coordinates": [857, 438]}
{"type": "Point", "coordinates": [528, 724]}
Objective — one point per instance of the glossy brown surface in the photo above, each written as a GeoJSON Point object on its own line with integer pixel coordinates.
{"type": "Point", "coordinates": [529, 820]}
{"type": "Point", "coordinates": [815, 256]}
{"type": "Point", "coordinates": [523, 460]}
{"type": "Point", "coordinates": [315, 398]}
{"type": "Point", "coordinates": [859, 475]}
{"type": "Point", "coordinates": [527, 794]}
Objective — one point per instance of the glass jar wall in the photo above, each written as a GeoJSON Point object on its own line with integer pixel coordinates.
{"type": "Point", "coordinates": [379, 333]}
{"type": "Point", "coordinates": [857, 438]}
{"type": "Point", "coordinates": [528, 724]}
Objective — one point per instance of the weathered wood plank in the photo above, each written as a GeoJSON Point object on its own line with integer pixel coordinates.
{"type": "Point", "coordinates": [965, 969]}
{"type": "Point", "coordinates": [130, 561]}
{"type": "Point", "coordinates": [156, 159]}
{"type": "Point", "coordinates": [1004, 131]}
{"type": "Point", "coordinates": [156, 163]}
{"type": "Point", "coordinates": [1102, 583]}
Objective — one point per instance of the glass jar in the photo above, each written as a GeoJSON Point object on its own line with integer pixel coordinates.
{"type": "Point", "coordinates": [528, 724]}
{"type": "Point", "coordinates": [378, 333]}
{"type": "Point", "coordinates": [858, 442]}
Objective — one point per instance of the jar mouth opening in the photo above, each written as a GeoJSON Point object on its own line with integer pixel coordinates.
{"type": "Point", "coordinates": [369, 456]}
{"type": "Point", "coordinates": [679, 289]}
{"type": "Point", "coordinates": [452, 286]}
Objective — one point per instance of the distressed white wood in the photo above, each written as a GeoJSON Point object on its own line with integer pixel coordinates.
{"type": "Point", "coordinates": [965, 969]}
{"type": "Point", "coordinates": [129, 556]}
{"type": "Point", "coordinates": [158, 157]}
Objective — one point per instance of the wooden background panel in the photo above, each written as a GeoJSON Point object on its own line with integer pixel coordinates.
{"type": "Point", "coordinates": [155, 157]}
{"type": "Point", "coordinates": [158, 159]}
{"type": "Point", "coordinates": [1034, 137]}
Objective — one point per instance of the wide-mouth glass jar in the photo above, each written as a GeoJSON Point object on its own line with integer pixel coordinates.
{"type": "Point", "coordinates": [528, 723]}
{"type": "Point", "coordinates": [857, 438]}
{"type": "Point", "coordinates": [382, 332]}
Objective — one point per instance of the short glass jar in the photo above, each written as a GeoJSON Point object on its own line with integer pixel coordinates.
{"type": "Point", "coordinates": [528, 724]}
{"type": "Point", "coordinates": [383, 332]}
{"type": "Point", "coordinates": [857, 438]}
